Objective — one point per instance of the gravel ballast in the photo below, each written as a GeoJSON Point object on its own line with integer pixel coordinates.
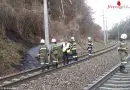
{"type": "Point", "coordinates": [75, 77]}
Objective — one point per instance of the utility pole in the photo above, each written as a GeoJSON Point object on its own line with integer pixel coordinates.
{"type": "Point", "coordinates": [106, 32]}
{"type": "Point", "coordinates": [104, 29]}
{"type": "Point", "coordinates": [118, 33]}
{"type": "Point", "coordinates": [46, 27]}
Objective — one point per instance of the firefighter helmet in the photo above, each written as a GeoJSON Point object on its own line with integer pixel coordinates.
{"type": "Point", "coordinates": [53, 40]}
{"type": "Point", "coordinates": [42, 41]}
{"type": "Point", "coordinates": [72, 38]}
{"type": "Point", "coordinates": [123, 36]}
{"type": "Point", "coordinates": [89, 38]}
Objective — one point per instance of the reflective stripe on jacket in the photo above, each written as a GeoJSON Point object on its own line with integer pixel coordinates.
{"type": "Point", "coordinates": [66, 46]}
{"type": "Point", "coordinates": [73, 45]}
{"type": "Point", "coordinates": [43, 50]}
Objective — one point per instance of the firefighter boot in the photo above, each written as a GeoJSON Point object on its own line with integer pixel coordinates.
{"type": "Point", "coordinates": [76, 59]}
{"type": "Point", "coordinates": [56, 65]}
{"type": "Point", "coordinates": [43, 68]}
{"type": "Point", "coordinates": [122, 69]}
{"type": "Point", "coordinates": [48, 67]}
{"type": "Point", "coordinates": [64, 61]}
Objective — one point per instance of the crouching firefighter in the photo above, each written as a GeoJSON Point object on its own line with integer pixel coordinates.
{"type": "Point", "coordinates": [90, 46]}
{"type": "Point", "coordinates": [43, 55]}
{"type": "Point", "coordinates": [73, 48]}
{"type": "Point", "coordinates": [66, 53]}
{"type": "Point", "coordinates": [122, 50]}
{"type": "Point", "coordinates": [54, 52]}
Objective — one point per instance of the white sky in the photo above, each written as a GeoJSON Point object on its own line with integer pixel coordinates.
{"type": "Point", "coordinates": [111, 15]}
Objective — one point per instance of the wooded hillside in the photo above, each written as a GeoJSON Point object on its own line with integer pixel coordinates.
{"type": "Point", "coordinates": [118, 29]}
{"type": "Point", "coordinates": [21, 25]}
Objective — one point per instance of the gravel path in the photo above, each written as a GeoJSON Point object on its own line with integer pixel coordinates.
{"type": "Point", "coordinates": [75, 77]}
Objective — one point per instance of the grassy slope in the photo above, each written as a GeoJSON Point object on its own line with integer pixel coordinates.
{"type": "Point", "coordinates": [10, 52]}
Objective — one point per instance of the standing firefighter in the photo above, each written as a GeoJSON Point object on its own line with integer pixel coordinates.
{"type": "Point", "coordinates": [123, 52]}
{"type": "Point", "coordinates": [54, 52]}
{"type": "Point", "coordinates": [73, 48]}
{"type": "Point", "coordinates": [90, 45]}
{"type": "Point", "coordinates": [66, 52]}
{"type": "Point", "coordinates": [43, 52]}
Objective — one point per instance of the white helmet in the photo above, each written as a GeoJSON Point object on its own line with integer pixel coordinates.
{"type": "Point", "coordinates": [42, 41]}
{"type": "Point", "coordinates": [89, 38]}
{"type": "Point", "coordinates": [72, 38]}
{"type": "Point", "coordinates": [123, 36]}
{"type": "Point", "coordinates": [53, 40]}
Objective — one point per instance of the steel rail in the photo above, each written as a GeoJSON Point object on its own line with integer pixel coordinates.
{"type": "Point", "coordinates": [86, 53]}
{"type": "Point", "coordinates": [103, 79]}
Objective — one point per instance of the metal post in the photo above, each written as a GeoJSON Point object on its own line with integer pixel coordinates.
{"type": "Point", "coordinates": [46, 27]}
{"type": "Point", "coordinates": [104, 30]}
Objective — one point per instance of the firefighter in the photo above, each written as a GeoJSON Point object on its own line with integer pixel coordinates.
{"type": "Point", "coordinates": [90, 46]}
{"type": "Point", "coordinates": [122, 50]}
{"type": "Point", "coordinates": [54, 52]}
{"type": "Point", "coordinates": [73, 48]}
{"type": "Point", "coordinates": [43, 52]}
{"type": "Point", "coordinates": [66, 52]}
{"type": "Point", "coordinates": [64, 49]}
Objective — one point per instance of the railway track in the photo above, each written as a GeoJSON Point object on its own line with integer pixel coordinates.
{"type": "Point", "coordinates": [112, 80]}
{"type": "Point", "coordinates": [14, 79]}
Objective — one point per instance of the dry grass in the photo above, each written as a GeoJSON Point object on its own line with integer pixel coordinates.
{"type": "Point", "coordinates": [10, 52]}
